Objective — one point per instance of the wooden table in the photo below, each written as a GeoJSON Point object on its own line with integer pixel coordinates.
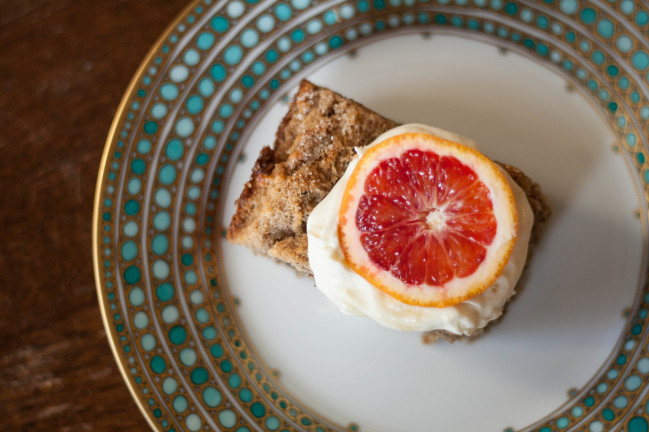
{"type": "Point", "coordinates": [64, 66]}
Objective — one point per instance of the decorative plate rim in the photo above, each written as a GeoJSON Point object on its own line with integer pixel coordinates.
{"type": "Point", "coordinates": [118, 118]}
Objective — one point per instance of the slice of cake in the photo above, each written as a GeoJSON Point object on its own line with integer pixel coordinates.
{"type": "Point", "coordinates": [314, 145]}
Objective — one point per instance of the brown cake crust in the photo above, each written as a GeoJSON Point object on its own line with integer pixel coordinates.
{"type": "Point", "coordinates": [313, 146]}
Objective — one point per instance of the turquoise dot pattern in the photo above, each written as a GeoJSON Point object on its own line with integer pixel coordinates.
{"type": "Point", "coordinates": [217, 69]}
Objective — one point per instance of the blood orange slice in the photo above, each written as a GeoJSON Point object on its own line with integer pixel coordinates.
{"type": "Point", "coordinates": [428, 221]}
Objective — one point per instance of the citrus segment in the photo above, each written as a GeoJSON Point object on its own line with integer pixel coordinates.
{"type": "Point", "coordinates": [428, 221]}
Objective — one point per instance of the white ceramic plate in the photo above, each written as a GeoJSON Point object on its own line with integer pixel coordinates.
{"type": "Point", "coordinates": [209, 335]}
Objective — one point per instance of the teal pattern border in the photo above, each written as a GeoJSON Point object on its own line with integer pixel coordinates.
{"type": "Point", "coordinates": [172, 323]}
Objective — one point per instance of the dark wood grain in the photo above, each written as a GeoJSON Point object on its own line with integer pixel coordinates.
{"type": "Point", "coordinates": [64, 65]}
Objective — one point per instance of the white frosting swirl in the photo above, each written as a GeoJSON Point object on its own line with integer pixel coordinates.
{"type": "Point", "coordinates": [354, 295]}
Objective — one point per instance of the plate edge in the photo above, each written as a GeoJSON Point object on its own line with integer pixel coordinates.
{"type": "Point", "coordinates": [118, 117]}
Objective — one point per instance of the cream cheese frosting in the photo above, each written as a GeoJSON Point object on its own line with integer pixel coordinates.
{"type": "Point", "coordinates": [356, 296]}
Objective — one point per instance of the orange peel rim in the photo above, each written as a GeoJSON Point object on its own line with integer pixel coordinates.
{"type": "Point", "coordinates": [371, 275]}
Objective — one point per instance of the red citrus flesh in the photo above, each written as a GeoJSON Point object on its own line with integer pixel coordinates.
{"type": "Point", "coordinates": [419, 213]}
{"type": "Point", "coordinates": [402, 195]}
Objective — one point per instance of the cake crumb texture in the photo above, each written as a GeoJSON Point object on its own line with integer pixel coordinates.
{"type": "Point", "coordinates": [313, 146]}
